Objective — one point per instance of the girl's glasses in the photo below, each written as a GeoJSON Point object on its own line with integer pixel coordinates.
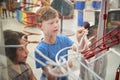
{"type": "Point", "coordinates": [28, 41]}
{"type": "Point", "coordinates": [29, 34]}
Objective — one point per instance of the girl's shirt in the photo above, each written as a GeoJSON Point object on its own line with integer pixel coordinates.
{"type": "Point", "coordinates": [14, 75]}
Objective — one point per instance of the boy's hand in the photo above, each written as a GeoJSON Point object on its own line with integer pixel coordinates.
{"type": "Point", "coordinates": [80, 33]}
{"type": "Point", "coordinates": [70, 64]}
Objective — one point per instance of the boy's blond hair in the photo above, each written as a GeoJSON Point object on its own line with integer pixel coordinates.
{"type": "Point", "coordinates": [46, 13]}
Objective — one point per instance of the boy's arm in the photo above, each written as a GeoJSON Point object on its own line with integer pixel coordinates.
{"type": "Point", "coordinates": [79, 34]}
{"type": "Point", "coordinates": [57, 71]}
{"type": "Point", "coordinates": [48, 75]}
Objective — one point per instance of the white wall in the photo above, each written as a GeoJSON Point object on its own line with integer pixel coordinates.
{"type": "Point", "coordinates": [114, 4]}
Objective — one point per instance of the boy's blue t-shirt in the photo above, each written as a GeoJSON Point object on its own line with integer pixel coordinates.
{"type": "Point", "coordinates": [50, 50]}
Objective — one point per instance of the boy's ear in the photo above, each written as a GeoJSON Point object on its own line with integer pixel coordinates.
{"type": "Point", "coordinates": [39, 26]}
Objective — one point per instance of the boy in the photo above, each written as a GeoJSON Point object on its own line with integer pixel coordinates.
{"type": "Point", "coordinates": [48, 22]}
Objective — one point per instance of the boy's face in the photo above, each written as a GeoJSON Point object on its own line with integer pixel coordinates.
{"type": "Point", "coordinates": [50, 27]}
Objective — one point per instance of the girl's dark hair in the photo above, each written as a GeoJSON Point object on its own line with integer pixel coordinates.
{"type": "Point", "coordinates": [12, 38]}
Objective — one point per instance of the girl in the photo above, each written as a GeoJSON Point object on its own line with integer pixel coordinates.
{"type": "Point", "coordinates": [16, 51]}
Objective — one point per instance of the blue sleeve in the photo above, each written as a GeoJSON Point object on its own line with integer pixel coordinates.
{"type": "Point", "coordinates": [40, 58]}
{"type": "Point", "coordinates": [68, 41]}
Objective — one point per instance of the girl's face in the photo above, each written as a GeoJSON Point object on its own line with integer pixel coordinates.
{"type": "Point", "coordinates": [22, 52]}
{"type": "Point", "coordinates": [50, 27]}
